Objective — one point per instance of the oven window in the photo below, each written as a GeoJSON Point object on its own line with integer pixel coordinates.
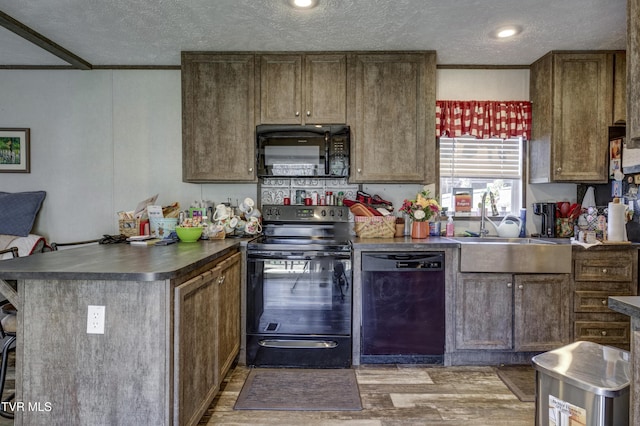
{"type": "Point", "coordinates": [297, 297]}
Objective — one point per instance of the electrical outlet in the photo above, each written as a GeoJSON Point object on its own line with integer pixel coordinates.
{"type": "Point", "coordinates": [95, 319]}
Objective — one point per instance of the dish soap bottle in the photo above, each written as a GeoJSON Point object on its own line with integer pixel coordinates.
{"type": "Point", "coordinates": [450, 228]}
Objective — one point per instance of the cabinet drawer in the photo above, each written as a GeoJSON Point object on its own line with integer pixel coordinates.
{"type": "Point", "coordinates": [594, 301]}
{"type": "Point", "coordinates": [602, 332]}
{"type": "Point", "coordinates": [604, 266]}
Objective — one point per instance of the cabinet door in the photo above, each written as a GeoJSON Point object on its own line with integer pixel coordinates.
{"type": "Point", "coordinates": [280, 89]}
{"type": "Point", "coordinates": [392, 117]}
{"type": "Point", "coordinates": [484, 310]}
{"type": "Point", "coordinates": [619, 88]}
{"type": "Point", "coordinates": [541, 312]}
{"type": "Point", "coordinates": [218, 117]}
{"type": "Point", "coordinates": [196, 378]}
{"type": "Point", "coordinates": [582, 111]}
{"type": "Point", "coordinates": [325, 89]}
{"type": "Point", "coordinates": [633, 74]}
{"type": "Point", "coordinates": [228, 313]}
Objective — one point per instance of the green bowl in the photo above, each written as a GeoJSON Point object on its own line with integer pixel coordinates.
{"type": "Point", "coordinates": [189, 235]}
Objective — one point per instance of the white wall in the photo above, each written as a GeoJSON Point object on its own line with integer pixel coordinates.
{"type": "Point", "coordinates": [103, 140]}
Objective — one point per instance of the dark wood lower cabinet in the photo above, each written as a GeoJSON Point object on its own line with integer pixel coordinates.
{"type": "Point", "coordinates": [502, 318]}
{"type": "Point", "coordinates": [542, 310]}
{"type": "Point", "coordinates": [206, 336]}
{"type": "Point", "coordinates": [167, 346]}
{"type": "Point", "coordinates": [598, 274]}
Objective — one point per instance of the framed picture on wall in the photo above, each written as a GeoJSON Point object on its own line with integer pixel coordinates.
{"type": "Point", "coordinates": [14, 151]}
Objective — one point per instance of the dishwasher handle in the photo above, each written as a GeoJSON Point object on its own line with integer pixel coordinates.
{"type": "Point", "coordinates": [421, 261]}
{"type": "Point", "coordinates": [418, 265]}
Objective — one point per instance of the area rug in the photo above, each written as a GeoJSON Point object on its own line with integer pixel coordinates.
{"type": "Point", "coordinates": [520, 379]}
{"type": "Point", "coordinates": [297, 389]}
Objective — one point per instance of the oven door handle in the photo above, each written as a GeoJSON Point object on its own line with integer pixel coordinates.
{"type": "Point", "coordinates": [295, 255]}
{"type": "Point", "coordinates": [298, 344]}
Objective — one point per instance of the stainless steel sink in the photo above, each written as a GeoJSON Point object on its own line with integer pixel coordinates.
{"type": "Point", "coordinates": [513, 255]}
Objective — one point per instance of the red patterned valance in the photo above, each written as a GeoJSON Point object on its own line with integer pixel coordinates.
{"type": "Point", "coordinates": [483, 119]}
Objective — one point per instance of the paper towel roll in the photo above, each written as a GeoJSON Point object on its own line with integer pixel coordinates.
{"type": "Point", "coordinates": [616, 230]}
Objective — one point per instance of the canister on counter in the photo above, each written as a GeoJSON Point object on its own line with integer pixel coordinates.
{"type": "Point", "coordinates": [300, 196]}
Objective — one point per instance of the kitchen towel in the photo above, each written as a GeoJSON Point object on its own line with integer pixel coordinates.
{"type": "Point", "coordinates": [589, 199]}
{"type": "Point", "coordinates": [616, 230]}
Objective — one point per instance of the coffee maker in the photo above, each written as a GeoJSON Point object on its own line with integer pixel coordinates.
{"type": "Point", "coordinates": [547, 211]}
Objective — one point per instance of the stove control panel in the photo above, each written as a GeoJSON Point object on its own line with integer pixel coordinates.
{"type": "Point", "coordinates": [280, 213]}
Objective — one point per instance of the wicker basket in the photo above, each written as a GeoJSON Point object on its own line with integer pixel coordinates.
{"type": "Point", "coordinates": [129, 227]}
{"type": "Point", "coordinates": [375, 227]}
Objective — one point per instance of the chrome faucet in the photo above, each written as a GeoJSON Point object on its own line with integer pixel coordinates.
{"type": "Point", "coordinates": [483, 216]}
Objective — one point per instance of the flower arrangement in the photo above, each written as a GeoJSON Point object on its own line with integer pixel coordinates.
{"type": "Point", "coordinates": [422, 208]}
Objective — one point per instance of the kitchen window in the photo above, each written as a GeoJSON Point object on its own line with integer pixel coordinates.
{"type": "Point", "coordinates": [483, 164]}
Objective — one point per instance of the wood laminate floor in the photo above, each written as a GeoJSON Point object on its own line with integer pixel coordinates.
{"type": "Point", "coordinates": [395, 395]}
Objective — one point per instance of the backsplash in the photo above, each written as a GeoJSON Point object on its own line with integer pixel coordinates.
{"type": "Point", "coordinates": [274, 190]}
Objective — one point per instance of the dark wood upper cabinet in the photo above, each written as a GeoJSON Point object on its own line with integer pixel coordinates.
{"type": "Point", "coordinates": [573, 106]}
{"type": "Point", "coordinates": [391, 110]}
{"type": "Point", "coordinates": [303, 89]}
{"type": "Point", "coordinates": [218, 117]}
{"type": "Point", "coordinates": [633, 72]}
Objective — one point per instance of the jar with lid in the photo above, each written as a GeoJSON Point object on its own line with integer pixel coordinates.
{"type": "Point", "coordinates": [340, 198]}
{"type": "Point", "coordinates": [205, 228]}
{"type": "Point", "coordinates": [328, 198]}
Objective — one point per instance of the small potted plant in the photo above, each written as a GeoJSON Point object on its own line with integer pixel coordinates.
{"type": "Point", "coordinates": [423, 208]}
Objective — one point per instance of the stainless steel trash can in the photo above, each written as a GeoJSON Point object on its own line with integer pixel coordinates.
{"type": "Point", "coordinates": [582, 383]}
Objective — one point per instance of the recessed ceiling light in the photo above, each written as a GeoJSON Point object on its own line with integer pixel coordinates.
{"type": "Point", "coordinates": [506, 32]}
{"type": "Point", "coordinates": [303, 4]}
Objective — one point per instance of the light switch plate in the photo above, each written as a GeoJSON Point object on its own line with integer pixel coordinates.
{"type": "Point", "coordinates": [95, 319]}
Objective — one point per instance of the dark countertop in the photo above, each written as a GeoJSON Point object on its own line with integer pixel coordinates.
{"type": "Point", "coordinates": [403, 243]}
{"type": "Point", "coordinates": [118, 261]}
{"type": "Point", "coordinates": [151, 263]}
{"type": "Point", "coordinates": [628, 305]}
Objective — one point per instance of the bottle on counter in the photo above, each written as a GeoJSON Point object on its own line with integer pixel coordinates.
{"type": "Point", "coordinates": [434, 226]}
{"type": "Point", "coordinates": [328, 198]}
{"type": "Point", "coordinates": [450, 227]}
{"type": "Point", "coordinates": [408, 222]}
{"type": "Point", "coordinates": [205, 227]}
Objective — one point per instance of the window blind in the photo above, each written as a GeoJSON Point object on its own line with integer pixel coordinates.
{"type": "Point", "coordinates": [481, 158]}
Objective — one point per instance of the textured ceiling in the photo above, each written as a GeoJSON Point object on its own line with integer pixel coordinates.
{"type": "Point", "coordinates": [154, 32]}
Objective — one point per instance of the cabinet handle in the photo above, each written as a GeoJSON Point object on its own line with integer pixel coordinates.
{"type": "Point", "coordinates": [297, 113]}
{"type": "Point", "coordinates": [559, 169]}
{"type": "Point", "coordinates": [520, 286]}
{"type": "Point", "coordinates": [308, 113]}
{"type": "Point", "coordinates": [221, 280]}
{"type": "Point", "coordinates": [359, 170]}
{"type": "Point", "coordinates": [604, 333]}
{"type": "Point", "coordinates": [604, 302]}
{"type": "Point", "coordinates": [509, 285]}
{"type": "Point", "coordinates": [604, 270]}
{"type": "Point", "coordinates": [250, 169]}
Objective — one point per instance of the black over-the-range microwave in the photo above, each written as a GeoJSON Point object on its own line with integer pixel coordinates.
{"type": "Point", "coordinates": [303, 151]}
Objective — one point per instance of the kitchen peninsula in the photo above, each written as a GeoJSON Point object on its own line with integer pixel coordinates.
{"type": "Point", "coordinates": [170, 331]}
{"type": "Point", "coordinates": [173, 320]}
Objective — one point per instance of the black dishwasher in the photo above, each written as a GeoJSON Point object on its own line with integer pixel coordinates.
{"type": "Point", "coordinates": [403, 314]}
